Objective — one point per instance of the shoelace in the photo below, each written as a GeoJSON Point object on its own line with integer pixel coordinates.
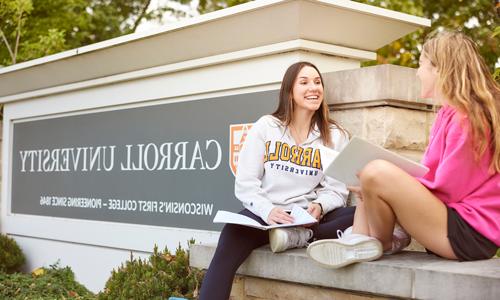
{"type": "Point", "coordinates": [343, 234]}
{"type": "Point", "coordinates": [298, 237]}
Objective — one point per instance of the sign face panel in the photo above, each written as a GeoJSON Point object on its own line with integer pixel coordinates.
{"type": "Point", "coordinates": [166, 165]}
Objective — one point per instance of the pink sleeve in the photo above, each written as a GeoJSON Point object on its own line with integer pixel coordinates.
{"type": "Point", "coordinates": [456, 172]}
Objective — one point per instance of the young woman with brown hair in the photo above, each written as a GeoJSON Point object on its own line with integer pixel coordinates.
{"type": "Point", "coordinates": [279, 166]}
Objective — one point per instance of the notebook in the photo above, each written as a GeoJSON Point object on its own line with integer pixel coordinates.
{"type": "Point", "coordinates": [344, 165]}
{"type": "Point", "coordinates": [300, 215]}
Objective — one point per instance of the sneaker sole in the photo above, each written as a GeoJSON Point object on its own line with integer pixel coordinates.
{"type": "Point", "coordinates": [277, 238]}
{"type": "Point", "coordinates": [333, 254]}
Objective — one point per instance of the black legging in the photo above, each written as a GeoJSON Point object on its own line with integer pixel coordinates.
{"type": "Point", "coordinates": [236, 242]}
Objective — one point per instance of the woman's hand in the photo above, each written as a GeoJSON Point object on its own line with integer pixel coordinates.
{"type": "Point", "coordinates": [314, 209]}
{"type": "Point", "coordinates": [357, 191]}
{"type": "Point", "coordinates": [279, 216]}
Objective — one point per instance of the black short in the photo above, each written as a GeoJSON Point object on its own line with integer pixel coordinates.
{"type": "Point", "coordinates": [466, 242]}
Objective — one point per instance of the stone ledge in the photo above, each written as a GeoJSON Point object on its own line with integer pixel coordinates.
{"type": "Point", "coordinates": [382, 103]}
{"type": "Point", "coordinates": [407, 275]}
{"type": "Point", "coordinates": [369, 86]}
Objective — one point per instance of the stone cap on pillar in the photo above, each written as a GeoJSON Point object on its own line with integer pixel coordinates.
{"type": "Point", "coordinates": [382, 85]}
{"type": "Point", "coordinates": [332, 27]}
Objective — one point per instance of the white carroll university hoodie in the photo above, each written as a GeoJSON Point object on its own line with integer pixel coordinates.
{"type": "Point", "coordinates": [274, 171]}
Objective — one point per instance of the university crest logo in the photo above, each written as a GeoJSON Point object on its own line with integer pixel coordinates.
{"type": "Point", "coordinates": [237, 136]}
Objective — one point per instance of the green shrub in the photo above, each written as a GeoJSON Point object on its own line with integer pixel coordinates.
{"type": "Point", "coordinates": [44, 283]}
{"type": "Point", "coordinates": [161, 276]}
{"type": "Point", "coordinates": [11, 256]}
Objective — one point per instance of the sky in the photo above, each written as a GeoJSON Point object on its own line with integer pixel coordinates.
{"type": "Point", "coordinates": [167, 18]}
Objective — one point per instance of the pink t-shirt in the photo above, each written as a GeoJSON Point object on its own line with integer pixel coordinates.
{"type": "Point", "coordinates": [458, 179]}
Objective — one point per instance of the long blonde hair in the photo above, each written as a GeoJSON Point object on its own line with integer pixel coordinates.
{"type": "Point", "coordinates": [467, 85]}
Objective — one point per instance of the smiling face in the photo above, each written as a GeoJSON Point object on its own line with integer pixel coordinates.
{"type": "Point", "coordinates": [428, 75]}
{"type": "Point", "coordinates": [307, 90]}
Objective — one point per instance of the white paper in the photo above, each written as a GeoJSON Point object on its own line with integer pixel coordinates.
{"type": "Point", "coordinates": [352, 159]}
{"type": "Point", "coordinates": [300, 216]}
{"type": "Point", "coordinates": [328, 155]}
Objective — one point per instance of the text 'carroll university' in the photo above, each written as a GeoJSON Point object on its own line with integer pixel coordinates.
{"type": "Point", "coordinates": [204, 155]}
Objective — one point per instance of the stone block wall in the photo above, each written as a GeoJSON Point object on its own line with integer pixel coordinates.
{"type": "Point", "coordinates": [254, 288]}
{"type": "Point", "coordinates": [405, 131]}
{"type": "Point", "coordinates": [381, 104]}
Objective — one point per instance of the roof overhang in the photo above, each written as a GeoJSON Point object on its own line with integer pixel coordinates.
{"type": "Point", "coordinates": [337, 22]}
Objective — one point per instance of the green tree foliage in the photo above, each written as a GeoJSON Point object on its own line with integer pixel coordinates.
{"type": "Point", "coordinates": [54, 41]}
{"type": "Point", "coordinates": [13, 15]}
{"type": "Point", "coordinates": [48, 283]}
{"type": "Point", "coordinates": [481, 16]}
{"type": "Point", "coordinates": [477, 19]}
{"type": "Point", "coordinates": [11, 256]}
{"type": "Point", "coordinates": [161, 276]}
{"type": "Point", "coordinates": [206, 6]}
{"type": "Point", "coordinates": [40, 27]}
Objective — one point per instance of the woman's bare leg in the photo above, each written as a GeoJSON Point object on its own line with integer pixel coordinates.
{"type": "Point", "coordinates": [360, 224]}
{"type": "Point", "coordinates": [390, 194]}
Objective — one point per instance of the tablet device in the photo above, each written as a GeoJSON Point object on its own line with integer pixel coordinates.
{"type": "Point", "coordinates": [344, 165]}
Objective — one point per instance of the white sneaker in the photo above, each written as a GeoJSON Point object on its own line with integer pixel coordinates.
{"type": "Point", "coordinates": [346, 232]}
{"type": "Point", "coordinates": [281, 239]}
{"type": "Point", "coordinates": [350, 248]}
{"type": "Point", "coordinates": [400, 240]}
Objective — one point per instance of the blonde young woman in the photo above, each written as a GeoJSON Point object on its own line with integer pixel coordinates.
{"type": "Point", "coordinates": [454, 210]}
{"type": "Point", "coordinates": [280, 166]}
